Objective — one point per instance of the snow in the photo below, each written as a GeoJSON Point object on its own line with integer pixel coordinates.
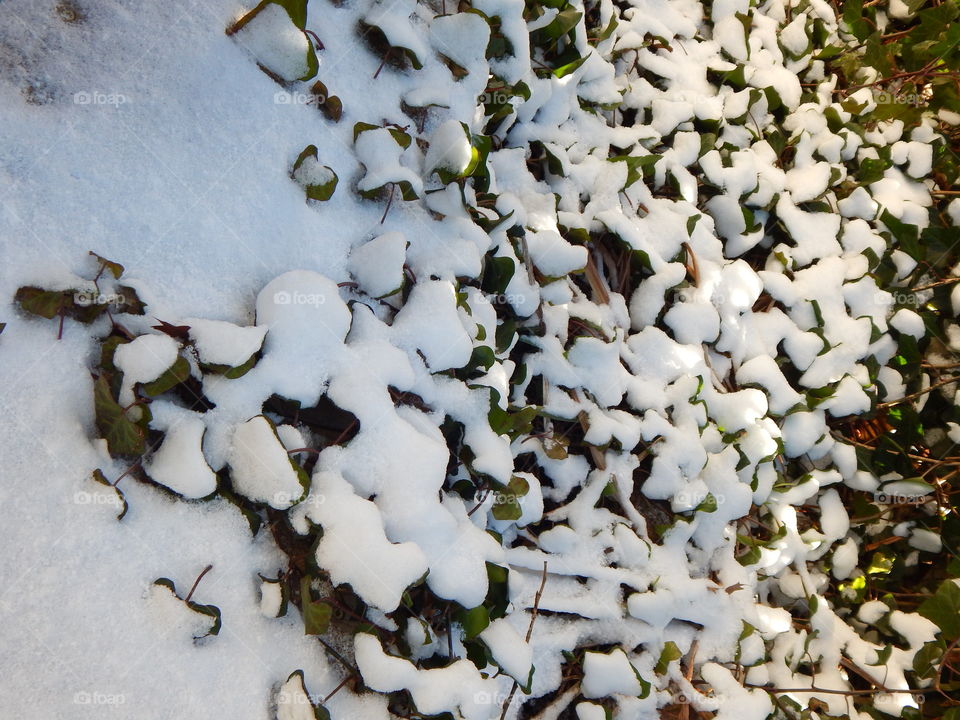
{"type": "Point", "coordinates": [380, 154]}
{"type": "Point", "coordinates": [260, 467]}
{"type": "Point", "coordinates": [605, 674]}
{"type": "Point", "coordinates": [271, 598]}
{"type": "Point", "coordinates": [223, 343]}
{"type": "Point", "coordinates": [449, 149]}
{"type": "Point", "coordinates": [293, 702]}
{"type": "Point", "coordinates": [801, 432]}
{"type": "Point", "coordinates": [377, 265]}
{"type": "Point", "coordinates": [354, 548]}
{"type": "Point", "coordinates": [459, 686]}
{"type": "Point", "coordinates": [509, 649]}
{"type": "Point", "coordinates": [179, 464]}
{"type": "Point", "coordinates": [908, 322]}
{"type": "Point", "coordinates": [429, 322]}
{"type": "Point", "coordinates": [276, 43]}
{"type": "Point", "coordinates": [143, 360]}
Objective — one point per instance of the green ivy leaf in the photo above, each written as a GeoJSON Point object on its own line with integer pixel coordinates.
{"type": "Point", "coordinates": [173, 376]}
{"type": "Point", "coordinates": [474, 621]}
{"type": "Point", "coordinates": [316, 615]}
{"type": "Point", "coordinates": [943, 609]}
{"type": "Point", "coordinates": [115, 268]}
{"type": "Point", "coordinates": [99, 477]}
{"type": "Point", "coordinates": [45, 303]}
{"type": "Point", "coordinates": [669, 653]}
{"type": "Point", "coordinates": [123, 436]}
{"type": "Point", "coordinates": [211, 611]}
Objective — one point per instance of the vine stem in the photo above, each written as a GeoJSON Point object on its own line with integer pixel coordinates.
{"type": "Point", "coordinates": [196, 582]}
{"type": "Point", "coordinates": [533, 619]}
{"type": "Point", "coordinates": [919, 393]}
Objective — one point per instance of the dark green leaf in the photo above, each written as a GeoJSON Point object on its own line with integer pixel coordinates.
{"type": "Point", "coordinates": [174, 375]}
{"type": "Point", "coordinates": [943, 609]}
{"type": "Point", "coordinates": [123, 436]}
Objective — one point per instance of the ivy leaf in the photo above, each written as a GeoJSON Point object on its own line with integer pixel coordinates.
{"type": "Point", "coordinates": [708, 505]}
{"type": "Point", "coordinates": [669, 653]}
{"type": "Point", "coordinates": [883, 656]}
{"type": "Point", "coordinates": [474, 621]}
{"type": "Point", "coordinates": [174, 375]}
{"type": "Point", "coordinates": [569, 67]}
{"type": "Point", "coordinates": [638, 166]}
{"type": "Point", "coordinates": [498, 597]}
{"type": "Point", "coordinates": [318, 181]}
{"type": "Point", "coordinates": [293, 699]}
{"type": "Point", "coordinates": [565, 21]}
{"type": "Point", "coordinates": [131, 304]}
{"type": "Point", "coordinates": [943, 609]}
{"type": "Point", "coordinates": [99, 477]}
{"type": "Point", "coordinates": [231, 373]}
{"type": "Point", "coordinates": [497, 274]}
{"type": "Point", "coordinates": [45, 303]}
{"type": "Point", "coordinates": [115, 268]}
{"type": "Point", "coordinates": [297, 11]}
{"type": "Point", "coordinates": [555, 447]}
{"type": "Point", "coordinates": [177, 332]}
{"type": "Point", "coordinates": [123, 436]}
{"type": "Point", "coordinates": [316, 615]}
{"type": "Point", "coordinates": [211, 611]}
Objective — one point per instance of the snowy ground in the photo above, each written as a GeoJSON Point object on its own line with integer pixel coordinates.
{"type": "Point", "coordinates": [171, 180]}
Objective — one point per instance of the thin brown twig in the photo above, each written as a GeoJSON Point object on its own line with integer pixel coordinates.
{"type": "Point", "coordinates": [533, 619]}
{"type": "Point", "coordinates": [919, 393]}
{"type": "Point", "coordinates": [196, 582]}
